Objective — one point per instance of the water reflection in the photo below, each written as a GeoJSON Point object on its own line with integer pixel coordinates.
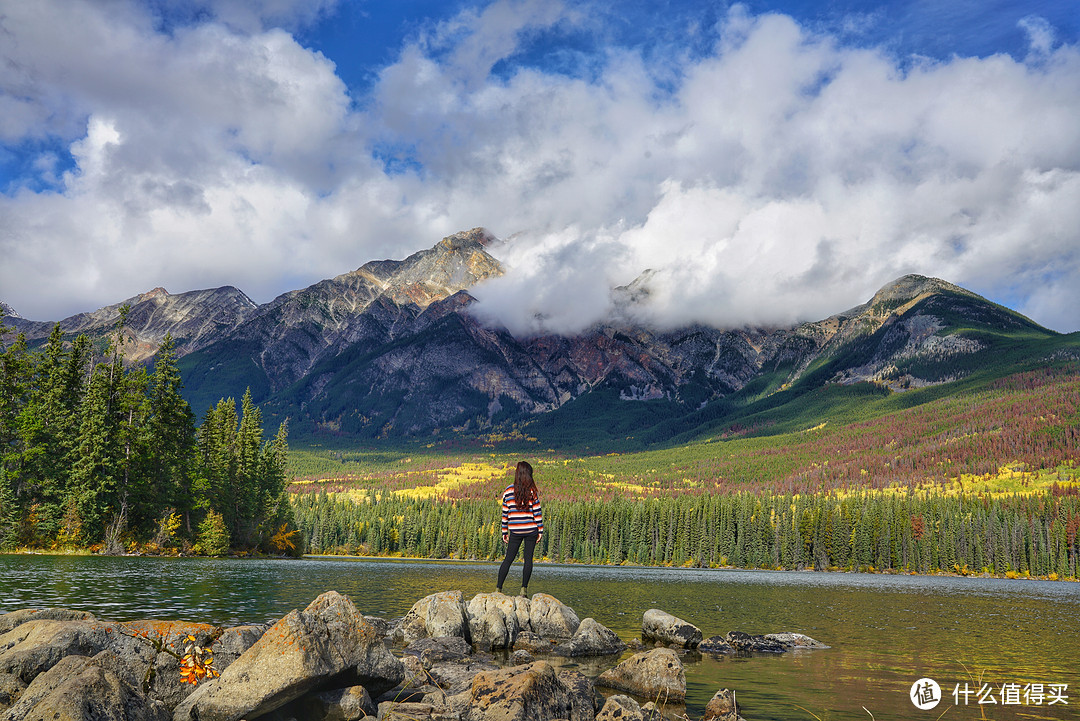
{"type": "Point", "coordinates": [885, 631]}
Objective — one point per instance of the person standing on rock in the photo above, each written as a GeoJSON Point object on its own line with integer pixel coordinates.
{"type": "Point", "coordinates": [522, 521]}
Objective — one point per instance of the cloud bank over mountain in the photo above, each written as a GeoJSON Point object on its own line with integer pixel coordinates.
{"type": "Point", "coordinates": [768, 171]}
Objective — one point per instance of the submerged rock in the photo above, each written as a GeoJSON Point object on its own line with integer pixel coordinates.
{"type": "Point", "coordinates": [795, 640]}
{"type": "Point", "coordinates": [760, 644]}
{"type": "Point", "coordinates": [721, 707]}
{"type": "Point", "coordinates": [716, 645]}
{"type": "Point", "coordinates": [656, 674]}
{"type": "Point", "coordinates": [657, 625]}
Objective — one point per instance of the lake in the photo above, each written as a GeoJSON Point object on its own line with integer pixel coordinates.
{"type": "Point", "coordinates": [885, 632]}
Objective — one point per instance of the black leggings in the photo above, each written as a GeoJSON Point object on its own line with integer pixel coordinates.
{"type": "Point", "coordinates": [511, 554]}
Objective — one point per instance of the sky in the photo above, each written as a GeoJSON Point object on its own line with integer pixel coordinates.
{"type": "Point", "coordinates": [759, 163]}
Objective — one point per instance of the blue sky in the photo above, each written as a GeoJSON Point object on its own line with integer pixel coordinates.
{"type": "Point", "coordinates": [768, 162]}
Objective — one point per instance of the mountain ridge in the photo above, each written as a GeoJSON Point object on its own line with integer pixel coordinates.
{"type": "Point", "coordinates": [391, 348]}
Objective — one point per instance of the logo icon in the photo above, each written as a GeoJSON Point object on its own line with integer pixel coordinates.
{"type": "Point", "coordinates": [925, 694]}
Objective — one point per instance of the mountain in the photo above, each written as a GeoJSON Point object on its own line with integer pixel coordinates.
{"type": "Point", "coordinates": [194, 319]}
{"type": "Point", "coordinates": [390, 349]}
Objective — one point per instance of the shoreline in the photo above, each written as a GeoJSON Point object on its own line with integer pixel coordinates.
{"type": "Point", "coordinates": [541, 562]}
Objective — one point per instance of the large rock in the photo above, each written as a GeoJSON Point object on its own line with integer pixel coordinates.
{"type": "Point", "coordinates": [327, 645]}
{"type": "Point", "coordinates": [10, 687]}
{"type": "Point", "coordinates": [584, 699]}
{"type": "Point", "coordinates": [657, 625]}
{"type": "Point", "coordinates": [523, 693]}
{"type": "Point", "coordinates": [9, 621]}
{"type": "Point", "coordinates": [416, 711]}
{"type": "Point", "coordinates": [656, 674]}
{"type": "Point", "coordinates": [531, 642]}
{"type": "Point", "coordinates": [624, 708]}
{"type": "Point", "coordinates": [35, 646]}
{"type": "Point", "coordinates": [440, 614]}
{"type": "Point", "coordinates": [164, 680]}
{"type": "Point", "coordinates": [721, 707]}
{"type": "Point", "coordinates": [495, 619]}
{"type": "Point", "coordinates": [139, 648]}
{"type": "Point", "coordinates": [78, 688]}
{"type": "Point", "coordinates": [431, 651]}
{"type": "Point", "coordinates": [550, 618]}
{"type": "Point", "coordinates": [454, 678]}
{"type": "Point", "coordinates": [591, 639]}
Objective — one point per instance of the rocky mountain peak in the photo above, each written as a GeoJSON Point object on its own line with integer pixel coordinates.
{"type": "Point", "coordinates": [906, 291]}
{"type": "Point", "coordinates": [8, 311]}
{"type": "Point", "coordinates": [158, 293]}
{"type": "Point", "coordinates": [456, 263]}
{"type": "Point", "coordinates": [464, 238]}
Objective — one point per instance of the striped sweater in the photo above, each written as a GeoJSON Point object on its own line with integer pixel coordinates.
{"type": "Point", "coordinates": [520, 522]}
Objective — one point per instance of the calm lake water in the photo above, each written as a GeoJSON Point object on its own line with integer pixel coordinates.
{"type": "Point", "coordinates": [886, 632]}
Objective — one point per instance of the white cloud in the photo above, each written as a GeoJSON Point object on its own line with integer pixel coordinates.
{"type": "Point", "coordinates": [782, 176]}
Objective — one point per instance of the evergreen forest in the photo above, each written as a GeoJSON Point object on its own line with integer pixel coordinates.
{"type": "Point", "coordinates": [99, 455]}
{"type": "Point", "coordinates": [1015, 535]}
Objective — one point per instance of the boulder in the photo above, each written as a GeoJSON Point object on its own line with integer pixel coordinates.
{"type": "Point", "coordinates": [550, 618]}
{"type": "Point", "coordinates": [520, 658]}
{"type": "Point", "coordinates": [415, 711]}
{"type": "Point", "coordinates": [591, 639]}
{"type": "Point", "coordinates": [78, 688]}
{"type": "Point", "coordinates": [746, 643]}
{"type": "Point", "coordinates": [584, 699]}
{"type": "Point", "coordinates": [794, 640]}
{"type": "Point", "coordinates": [9, 621]}
{"type": "Point", "coordinates": [10, 687]}
{"type": "Point", "coordinates": [657, 625]}
{"type": "Point", "coordinates": [327, 645]}
{"type": "Point", "coordinates": [415, 673]}
{"type": "Point", "coordinates": [431, 651]}
{"type": "Point", "coordinates": [384, 627]}
{"type": "Point", "coordinates": [440, 614]}
{"type": "Point", "coordinates": [716, 645]}
{"type": "Point", "coordinates": [34, 646]}
{"type": "Point", "coordinates": [529, 641]}
{"type": "Point", "coordinates": [523, 693]}
{"type": "Point", "coordinates": [721, 707]}
{"type": "Point", "coordinates": [454, 678]}
{"type": "Point", "coordinates": [495, 619]}
{"type": "Point", "coordinates": [624, 708]}
{"type": "Point", "coordinates": [656, 674]}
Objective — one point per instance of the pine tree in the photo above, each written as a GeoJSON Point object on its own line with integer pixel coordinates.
{"type": "Point", "coordinates": [167, 442]}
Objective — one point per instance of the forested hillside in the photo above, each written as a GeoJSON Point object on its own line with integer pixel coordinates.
{"type": "Point", "coordinates": [102, 455]}
{"type": "Point", "coordinates": [978, 481]}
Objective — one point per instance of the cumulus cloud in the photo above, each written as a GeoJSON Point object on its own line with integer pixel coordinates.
{"type": "Point", "coordinates": [779, 176]}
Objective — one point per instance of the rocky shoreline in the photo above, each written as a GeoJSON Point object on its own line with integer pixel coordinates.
{"type": "Point", "coordinates": [490, 658]}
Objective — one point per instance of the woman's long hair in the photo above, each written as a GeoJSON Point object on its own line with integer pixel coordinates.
{"type": "Point", "coordinates": [524, 487]}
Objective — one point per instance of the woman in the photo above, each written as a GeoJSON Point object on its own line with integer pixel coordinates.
{"type": "Point", "coordinates": [522, 520]}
